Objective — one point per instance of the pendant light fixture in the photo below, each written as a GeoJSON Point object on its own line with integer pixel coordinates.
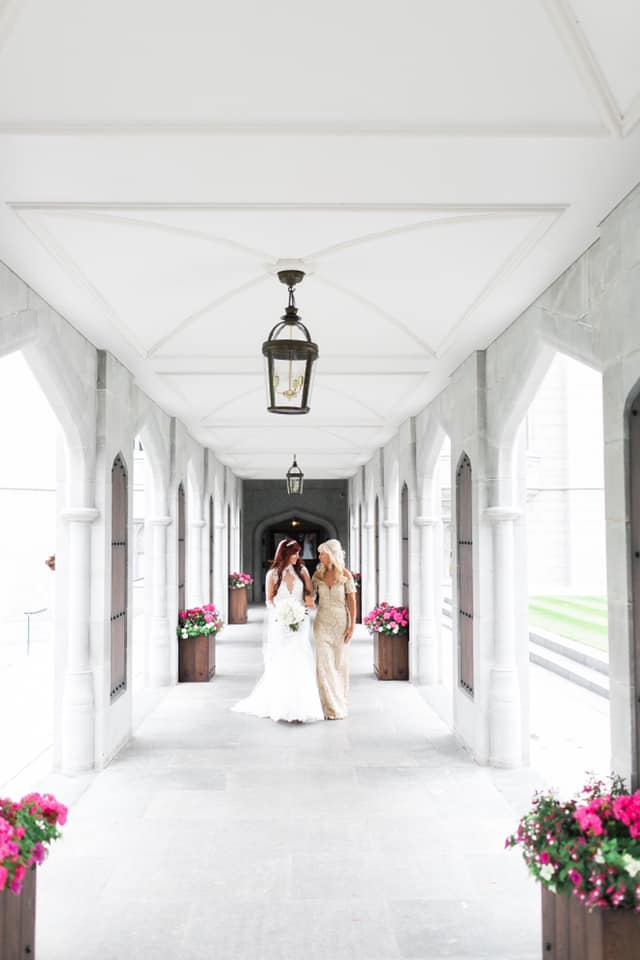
{"type": "Point", "coordinates": [290, 354]}
{"type": "Point", "coordinates": [295, 478]}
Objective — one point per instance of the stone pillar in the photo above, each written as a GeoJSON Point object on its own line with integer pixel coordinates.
{"type": "Point", "coordinates": [355, 563]}
{"type": "Point", "coordinates": [196, 593]}
{"type": "Point", "coordinates": [369, 572]}
{"type": "Point", "coordinates": [220, 572]}
{"type": "Point", "coordinates": [427, 625]}
{"type": "Point", "coordinates": [78, 698]}
{"type": "Point", "coordinates": [505, 716]}
{"type": "Point", "coordinates": [160, 630]}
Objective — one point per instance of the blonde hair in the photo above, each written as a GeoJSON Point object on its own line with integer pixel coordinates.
{"type": "Point", "coordinates": [336, 555]}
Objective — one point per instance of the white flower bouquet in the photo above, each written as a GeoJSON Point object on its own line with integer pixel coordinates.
{"type": "Point", "coordinates": [291, 613]}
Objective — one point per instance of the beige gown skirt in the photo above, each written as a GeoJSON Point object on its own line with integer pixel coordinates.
{"type": "Point", "coordinates": [332, 653]}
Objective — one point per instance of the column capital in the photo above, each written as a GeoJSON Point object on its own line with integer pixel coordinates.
{"type": "Point", "coordinates": [502, 514]}
{"type": "Point", "coordinates": [160, 521]}
{"type": "Point", "coordinates": [198, 523]}
{"type": "Point", "coordinates": [80, 514]}
{"type": "Point", "coordinates": [220, 525]}
{"type": "Point", "coordinates": [390, 523]}
{"type": "Point", "coordinates": [426, 521]}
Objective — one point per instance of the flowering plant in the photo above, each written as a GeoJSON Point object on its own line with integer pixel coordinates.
{"type": "Point", "coordinates": [199, 621]}
{"type": "Point", "coordinates": [588, 846]}
{"type": "Point", "coordinates": [240, 580]}
{"type": "Point", "coordinates": [25, 830]}
{"type": "Point", "coordinates": [357, 579]}
{"type": "Point", "coordinates": [291, 613]}
{"type": "Point", "coordinates": [387, 619]}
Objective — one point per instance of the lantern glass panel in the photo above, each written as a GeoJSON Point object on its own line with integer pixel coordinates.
{"type": "Point", "coordinates": [288, 382]}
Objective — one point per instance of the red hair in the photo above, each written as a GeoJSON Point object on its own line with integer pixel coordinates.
{"type": "Point", "coordinates": [286, 549]}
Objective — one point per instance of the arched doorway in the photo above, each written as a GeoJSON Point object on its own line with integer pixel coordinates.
{"type": "Point", "coordinates": [464, 528]}
{"type": "Point", "coordinates": [306, 527]}
{"type": "Point", "coordinates": [119, 571]}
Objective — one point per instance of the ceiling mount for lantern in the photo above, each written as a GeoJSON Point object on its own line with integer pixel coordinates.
{"type": "Point", "coordinates": [295, 478]}
{"type": "Point", "coordinates": [290, 354]}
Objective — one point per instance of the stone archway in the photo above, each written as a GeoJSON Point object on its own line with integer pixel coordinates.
{"type": "Point", "coordinates": [322, 526]}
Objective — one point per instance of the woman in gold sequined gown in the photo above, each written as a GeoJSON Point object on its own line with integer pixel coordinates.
{"type": "Point", "coordinates": [333, 628]}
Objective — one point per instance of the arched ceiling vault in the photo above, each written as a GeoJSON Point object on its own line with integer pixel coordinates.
{"type": "Point", "coordinates": [435, 164]}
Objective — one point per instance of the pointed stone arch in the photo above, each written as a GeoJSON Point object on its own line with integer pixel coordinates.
{"type": "Point", "coordinates": [308, 516]}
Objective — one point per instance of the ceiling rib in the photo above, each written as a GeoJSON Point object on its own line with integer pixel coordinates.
{"type": "Point", "coordinates": [584, 61]}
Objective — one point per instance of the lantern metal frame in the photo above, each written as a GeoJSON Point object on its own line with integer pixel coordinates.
{"type": "Point", "coordinates": [278, 347]}
{"type": "Point", "coordinates": [295, 479]}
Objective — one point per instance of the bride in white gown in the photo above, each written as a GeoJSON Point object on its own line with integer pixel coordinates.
{"type": "Point", "coordinates": [287, 690]}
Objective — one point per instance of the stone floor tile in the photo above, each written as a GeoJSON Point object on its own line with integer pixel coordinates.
{"type": "Point", "coordinates": [218, 835]}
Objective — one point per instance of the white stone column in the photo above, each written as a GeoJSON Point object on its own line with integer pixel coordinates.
{"type": "Point", "coordinates": [505, 717]}
{"type": "Point", "coordinates": [391, 580]}
{"type": "Point", "coordinates": [196, 594]}
{"type": "Point", "coordinates": [427, 635]}
{"type": "Point", "coordinates": [220, 572]}
{"type": "Point", "coordinates": [78, 698]}
{"type": "Point", "coordinates": [355, 563]}
{"type": "Point", "coordinates": [369, 572]}
{"type": "Point", "coordinates": [160, 631]}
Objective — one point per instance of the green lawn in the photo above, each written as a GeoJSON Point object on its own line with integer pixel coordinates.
{"type": "Point", "coordinates": [583, 619]}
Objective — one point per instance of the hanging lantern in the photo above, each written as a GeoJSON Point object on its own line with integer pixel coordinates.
{"type": "Point", "coordinates": [295, 478]}
{"type": "Point", "coordinates": [290, 355]}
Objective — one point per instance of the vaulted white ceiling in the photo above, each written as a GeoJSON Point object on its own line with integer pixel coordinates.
{"type": "Point", "coordinates": [435, 164]}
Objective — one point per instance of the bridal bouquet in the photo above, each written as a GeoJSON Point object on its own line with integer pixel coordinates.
{"type": "Point", "coordinates": [291, 613]}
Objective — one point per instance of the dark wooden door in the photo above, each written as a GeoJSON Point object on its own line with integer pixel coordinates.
{"type": "Point", "coordinates": [376, 550]}
{"type": "Point", "coordinates": [464, 529]}
{"type": "Point", "coordinates": [182, 561]}
{"type": "Point", "coordinates": [634, 503]}
{"type": "Point", "coordinates": [211, 549]}
{"type": "Point", "coordinates": [118, 577]}
{"type": "Point", "coordinates": [404, 534]}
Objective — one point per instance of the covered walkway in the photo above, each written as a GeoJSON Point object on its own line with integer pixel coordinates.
{"type": "Point", "coordinates": [219, 835]}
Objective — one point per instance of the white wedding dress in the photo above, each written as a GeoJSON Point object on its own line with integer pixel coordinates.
{"type": "Point", "coordinates": [287, 690]}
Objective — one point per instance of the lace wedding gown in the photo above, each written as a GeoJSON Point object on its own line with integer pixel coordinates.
{"type": "Point", "coordinates": [287, 690]}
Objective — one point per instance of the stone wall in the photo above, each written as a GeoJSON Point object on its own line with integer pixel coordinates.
{"type": "Point", "coordinates": [266, 501]}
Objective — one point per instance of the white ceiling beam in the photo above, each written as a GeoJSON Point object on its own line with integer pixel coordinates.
{"type": "Point", "coordinates": [585, 63]}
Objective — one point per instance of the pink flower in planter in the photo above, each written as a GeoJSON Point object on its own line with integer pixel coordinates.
{"type": "Point", "coordinates": [589, 821]}
{"type": "Point", "coordinates": [38, 854]}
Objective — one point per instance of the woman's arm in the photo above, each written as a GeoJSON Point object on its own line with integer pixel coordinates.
{"type": "Point", "coordinates": [270, 585]}
{"type": "Point", "coordinates": [309, 591]}
{"type": "Point", "coordinates": [350, 593]}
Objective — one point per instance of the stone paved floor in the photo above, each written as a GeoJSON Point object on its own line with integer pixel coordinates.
{"type": "Point", "coordinates": [217, 835]}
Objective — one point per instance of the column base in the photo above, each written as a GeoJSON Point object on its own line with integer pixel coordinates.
{"type": "Point", "coordinates": [505, 719]}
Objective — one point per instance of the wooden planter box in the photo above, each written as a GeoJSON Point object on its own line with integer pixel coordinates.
{"type": "Point", "coordinates": [391, 656]}
{"type": "Point", "coordinates": [196, 658]}
{"type": "Point", "coordinates": [571, 932]}
{"type": "Point", "coordinates": [18, 921]}
{"type": "Point", "coordinates": [238, 605]}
